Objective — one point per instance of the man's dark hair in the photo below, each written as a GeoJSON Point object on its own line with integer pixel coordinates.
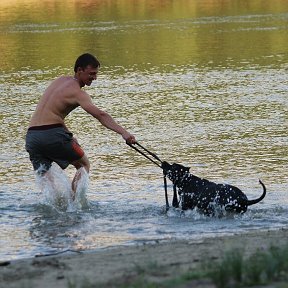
{"type": "Point", "coordinates": [84, 60]}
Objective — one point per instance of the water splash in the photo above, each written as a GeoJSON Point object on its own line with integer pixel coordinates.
{"type": "Point", "coordinates": [56, 190]}
{"type": "Point", "coordinates": [81, 201]}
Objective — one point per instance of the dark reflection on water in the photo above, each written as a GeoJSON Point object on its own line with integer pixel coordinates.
{"type": "Point", "coordinates": [202, 83]}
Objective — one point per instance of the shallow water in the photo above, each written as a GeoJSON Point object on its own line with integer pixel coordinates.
{"type": "Point", "coordinates": [201, 84]}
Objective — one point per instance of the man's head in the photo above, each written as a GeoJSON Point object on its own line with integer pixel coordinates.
{"type": "Point", "coordinates": [84, 60]}
{"type": "Point", "coordinates": [86, 69]}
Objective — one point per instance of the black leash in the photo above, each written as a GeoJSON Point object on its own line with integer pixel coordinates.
{"type": "Point", "coordinates": [153, 161]}
{"type": "Point", "coordinates": [145, 155]}
{"type": "Point", "coordinates": [152, 154]}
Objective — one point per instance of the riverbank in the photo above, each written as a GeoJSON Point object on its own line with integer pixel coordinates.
{"type": "Point", "coordinates": [112, 267]}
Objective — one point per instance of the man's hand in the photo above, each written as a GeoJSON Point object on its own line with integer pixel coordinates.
{"type": "Point", "coordinates": [129, 138]}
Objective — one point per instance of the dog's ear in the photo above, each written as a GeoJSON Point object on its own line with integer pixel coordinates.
{"type": "Point", "coordinates": [180, 167]}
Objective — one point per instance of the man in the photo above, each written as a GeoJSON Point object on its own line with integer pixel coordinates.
{"type": "Point", "coordinates": [48, 139]}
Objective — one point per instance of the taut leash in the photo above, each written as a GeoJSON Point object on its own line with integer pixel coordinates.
{"type": "Point", "coordinates": [145, 155]}
{"type": "Point", "coordinates": [153, 161]}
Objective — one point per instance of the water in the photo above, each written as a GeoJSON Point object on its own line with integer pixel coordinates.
{"type": "Point", "coordinates": [201, 83]}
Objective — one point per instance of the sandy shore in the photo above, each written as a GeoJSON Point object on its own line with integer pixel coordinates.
{"type": "Point", "coordinates": [107, 267]}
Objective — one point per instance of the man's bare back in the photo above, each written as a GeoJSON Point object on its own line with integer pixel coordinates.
{"type": "Point", "coordinates": [57, 102]}
{"type": "Point", "coordinates": [64, 94]}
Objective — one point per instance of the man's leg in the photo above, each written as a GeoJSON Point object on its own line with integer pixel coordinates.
{"type": "Point", "coordinates": [45, 175]}
{"type": "Point", "coordinates": [78, 164]}
{"type": "Point", "coordinates": [49, 177]}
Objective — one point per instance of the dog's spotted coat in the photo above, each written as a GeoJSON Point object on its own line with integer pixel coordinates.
{"type": "Point", "coordinates": [208, 197]}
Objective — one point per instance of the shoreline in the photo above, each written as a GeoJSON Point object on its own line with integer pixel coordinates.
{"type": "Point", "coordinates": [108, 266]}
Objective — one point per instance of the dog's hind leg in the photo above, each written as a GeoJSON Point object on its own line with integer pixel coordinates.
{"type": "Point", "coordinates": [175, 202]}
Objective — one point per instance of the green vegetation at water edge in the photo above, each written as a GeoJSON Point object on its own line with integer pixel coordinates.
{"type": "Point", "coordinates": [233, 270]}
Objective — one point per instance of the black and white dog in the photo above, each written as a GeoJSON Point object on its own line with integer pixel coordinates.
{"type": "Point", "coordinates": [208, 197]}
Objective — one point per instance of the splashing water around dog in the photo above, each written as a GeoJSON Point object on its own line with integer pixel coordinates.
{"type": "Point", "coordinates": [56, 189]}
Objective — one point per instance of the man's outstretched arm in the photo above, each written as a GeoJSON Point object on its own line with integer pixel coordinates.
{"type": "Point", "coordinates": [106, 120]}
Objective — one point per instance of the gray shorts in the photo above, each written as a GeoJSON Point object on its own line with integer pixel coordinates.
{"type": "Point", "coordinates": [51, 143]}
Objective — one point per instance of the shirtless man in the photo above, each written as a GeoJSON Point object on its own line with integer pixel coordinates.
{"type": "Point", "coordinates": [48, 139]}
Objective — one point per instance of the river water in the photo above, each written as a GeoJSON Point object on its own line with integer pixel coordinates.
{"type": "Point", "coordinates": [202, 83]}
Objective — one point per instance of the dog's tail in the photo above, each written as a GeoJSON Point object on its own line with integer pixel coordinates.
{"type": "Point", "coordinates": [251, 202]}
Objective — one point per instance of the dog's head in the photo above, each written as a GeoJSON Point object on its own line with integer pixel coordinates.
{"type": "Point", "coordinates": [175, 172]}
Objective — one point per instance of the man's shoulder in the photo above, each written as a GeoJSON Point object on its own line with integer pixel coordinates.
{"type": "Point", "coordinates": [61, 80]}
{"type": "Point", "coordinates": [67, 82]}
{"type": "Point", "coordinates": [65, 78]}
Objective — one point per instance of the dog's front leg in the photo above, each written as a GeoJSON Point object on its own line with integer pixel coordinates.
{"type": "Point", "coordinates": [175, 202]}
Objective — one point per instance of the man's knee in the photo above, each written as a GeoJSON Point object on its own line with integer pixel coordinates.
{"type": "Point", "coordinates": [83, 162]}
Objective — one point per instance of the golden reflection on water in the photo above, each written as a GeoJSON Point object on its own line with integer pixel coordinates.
{"type": "Point", "coordinates": [154, 54]}
{"type": "Point", "coordinates": [142, 33]}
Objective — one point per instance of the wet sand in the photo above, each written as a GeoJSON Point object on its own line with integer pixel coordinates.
{"type": "Point", "coordinates": [110, 266]}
